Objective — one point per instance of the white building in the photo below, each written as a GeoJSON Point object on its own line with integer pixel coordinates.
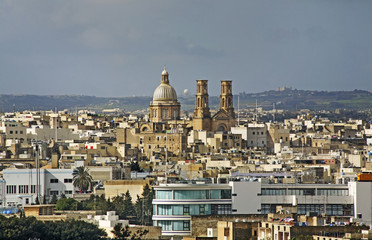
{"type": "Point", "coordinates": [255, 134]}
{"type": "Point", "coordinates": [174, 204]}
{"type": "Point", "coordinates": [21, 185]}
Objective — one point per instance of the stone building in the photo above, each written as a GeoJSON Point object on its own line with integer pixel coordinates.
{"type": "Point", "coordinates": [164, 105]}
{"type": "Point", "coordinates": [224, 119]}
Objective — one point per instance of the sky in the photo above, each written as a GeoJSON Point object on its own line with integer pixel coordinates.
{"type": "Point", "coordinates": [118, 48]}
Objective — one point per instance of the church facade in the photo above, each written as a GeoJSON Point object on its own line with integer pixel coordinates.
{"type": "Point", "coordinates": [224, 119]}
{"type": "Point", "coordinates": [165, 106]}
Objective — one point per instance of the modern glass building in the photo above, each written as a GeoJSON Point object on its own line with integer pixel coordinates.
{"type": "Point", "coordinates": [174, 204]}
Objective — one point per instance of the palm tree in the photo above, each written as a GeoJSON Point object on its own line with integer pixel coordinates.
{"type": "Point", "coordinates": [81, 178]}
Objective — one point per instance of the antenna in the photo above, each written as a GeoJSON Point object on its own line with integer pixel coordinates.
{"type": "Point", "coordinates": [256, 112]}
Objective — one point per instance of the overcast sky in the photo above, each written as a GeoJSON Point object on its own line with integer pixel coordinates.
{"type": "Point", "coordinates": [118, 48]}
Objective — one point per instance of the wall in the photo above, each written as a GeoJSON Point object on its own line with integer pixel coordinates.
{"type": "Point", "coordinates": [200, 224]}
{"type": "Point", "coordinates": [246, 192]}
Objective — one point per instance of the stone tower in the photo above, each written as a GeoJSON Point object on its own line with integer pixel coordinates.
{"type": "Point", "coordinates": [202, 115]}
{"type": "Point", "coordinates": [226, 97]}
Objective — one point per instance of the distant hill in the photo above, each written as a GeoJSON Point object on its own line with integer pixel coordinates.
{"type": "Point", "coordinates": [313, 100]}
{"type": "Point", "coordinates": [287, 99]}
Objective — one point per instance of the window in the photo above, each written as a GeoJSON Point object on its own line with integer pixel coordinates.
{"type": "Point", "coordinates": [186, 209]}
{"type": "Point", "coordinates": [177, 225]}
{"type": "Point", "coordinates": [164, 113]}
{"type": "Point", "coordinates": [304, 191]}
{"type": "Point", "coordinates": [10, 132]}
{"type": "Point", "coordinates": [164, 210]}
{"type": "Point", "coordinates": [333, 192]}
{"type": "Point", "coordinates": [340, 210]}
{"type": "Point", "coordinates": [67, 180]}
{"type": "Point", "coordinates": [27, 201]}
{"type": "Point", "coordinates": [272, 191]}
{"type": "Point", "coordinates": [311, 209]}
{"type": "Point", "coordinates": [254, 133]}
{"type": "Point", "coordinates": [164, 194]}
{"type": "Point", "coordinates": [186, 225]}
{"type": "Point", "coordinates": [23, 189]}
{"type": "Point", "coordinates": [53, 180]}
{"type": "Point", "coordinates": [11, 189]}
{"type": "Point", "coordinates": [53, 192]}
{"type": "Point", "coordinates": [68, 192]}
{"type": "Point", "coordinates": [201, 209]}
{"type": "Point", "coordinates": [221, 209]}
{"type": "Point", "coordinates": [21, 132]}
{"type": "Point", "coordinates": [191, 194]}
{"type": "Point", "coordinates": [177, 209]}
{"type": "Point", "coordinates": [33, 188]}
{"type": "Point", "coordinates": [165, 225]}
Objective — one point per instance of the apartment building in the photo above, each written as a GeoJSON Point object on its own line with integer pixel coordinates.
{"type": "Point", "coordinates": [174, 204]}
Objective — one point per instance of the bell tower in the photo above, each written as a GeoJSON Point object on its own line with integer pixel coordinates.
{"type": "Point", "coordinates": [201, 101]}
{"type": "Point", "coordinates": [202, 115]}
{"type": "Point", "coordinates": [226, 97]}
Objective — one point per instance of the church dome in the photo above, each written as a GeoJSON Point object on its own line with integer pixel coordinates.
{"type": "Point", "coordinates": [164, 92]}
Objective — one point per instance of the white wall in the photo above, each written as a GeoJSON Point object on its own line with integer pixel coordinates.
{"type": "Point", "coordinates": [362, 193]}
{"type": "Point", "coordinates": [27, 177]}
{"type": "Point", "coordinates": [247, 200]}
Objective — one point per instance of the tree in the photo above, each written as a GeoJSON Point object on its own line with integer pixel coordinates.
{"type": "Point", "coordinates": [123, 233]}
{"type": "Point", "coordinates": [143, 206]}
{"type": "Point", "coordinates": [148, 196]}
{"type": "Point", "coordinates": [135, 167]}
{"type": "Point", "coordinates": [37, 200]}
{"type": "Point", "coordinates": [21, 228]}
{"type": "Point", "coordinates": [67, 204]}
{"type": "Point", "coordinates": [82, 179]}
{"type": "Point", "coordinates": [29, 228]}
{"type": "Point", "coordinates": [128, 205]}
{"type": "Point", "coordinates": [118, 206]}
{"type": "Point", "coordinates": [54, 199]}
{"type": "Point", "coordinates": [73, 230]}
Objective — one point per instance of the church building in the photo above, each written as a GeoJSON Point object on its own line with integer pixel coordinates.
{"type": "Point", "coordinates": [164, 106]}
{"type": "Point", "coordinates": [224, 119]}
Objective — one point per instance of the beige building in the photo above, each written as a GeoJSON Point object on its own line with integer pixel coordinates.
{"type": "Point", "coordinates": [224, 119]}
{"type": "Point", "coordinates": [120, 187]}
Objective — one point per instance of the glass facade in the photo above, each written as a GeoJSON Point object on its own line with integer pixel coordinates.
{"type": "Point", "coordinates": [191, 194]}
{"type": "Point", "coordinates": [221, 209]}
{"type": "Point", "coordinates": [272, 191]}
{"type": "Point", "coordinates": [202, 194]}
{"type": "Point", "coordinates": [315, 209]}
{"type": "Point", "coordinates": [333, 192]}
{"type": "Point", "coordinates": [301, 191]}
{"type": "Point", "coordinates": [304, 192]}
{"type": "Point", "coordinates": [168, 225]}
{"type": "Point", "coordinates": [186, 209]}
